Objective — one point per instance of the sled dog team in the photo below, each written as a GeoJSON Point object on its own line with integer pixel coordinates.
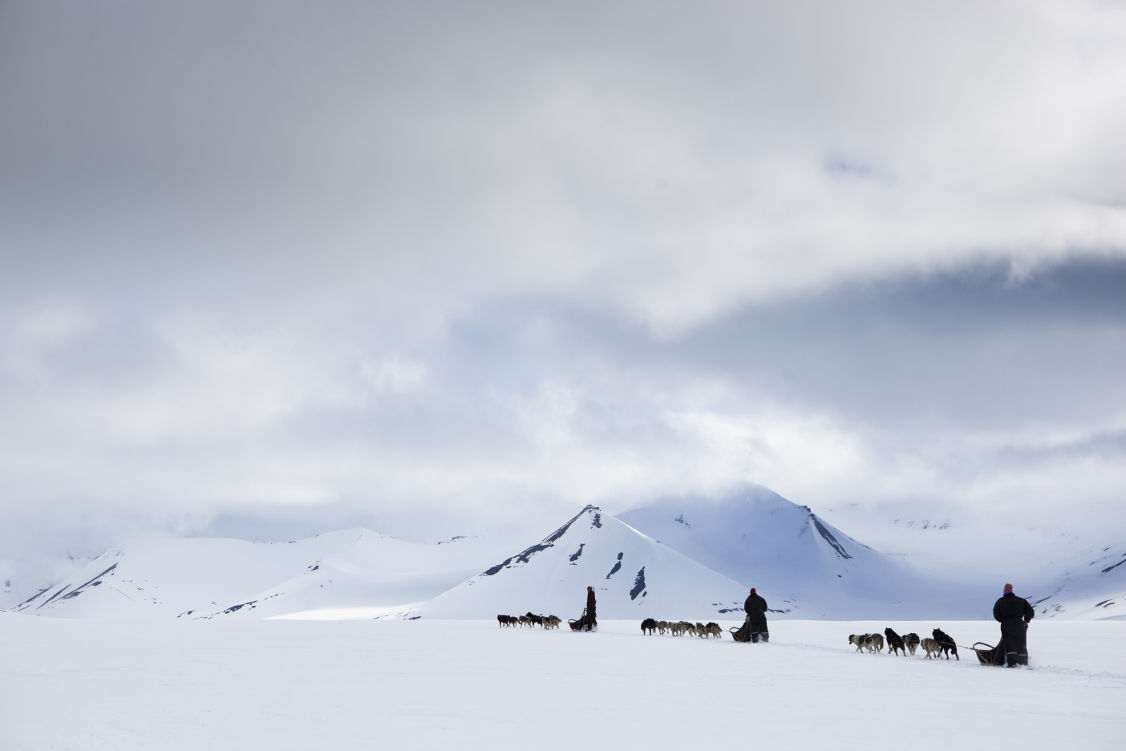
{"type": "Point", "coordinates": [529, 619]}
{"type": "Point", "coordinates": [680, 628]}
{"type": "Point", "coordinates": [1012, 612]}
{"type": "Point", "coordinates": [941, 644]}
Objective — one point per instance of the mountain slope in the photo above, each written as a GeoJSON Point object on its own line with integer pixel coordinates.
{"type": "Point", "coordinates": [792, 556]}
{"type": "Point", "coordinates": [205, 578]}
{"type": "Point", "coordinates": [1093, 587]}
{"type": "Point", "coordinates": [633, 577]}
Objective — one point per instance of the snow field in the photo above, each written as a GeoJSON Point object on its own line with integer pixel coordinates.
{"type": "Point", "coordinates": [429, 684]}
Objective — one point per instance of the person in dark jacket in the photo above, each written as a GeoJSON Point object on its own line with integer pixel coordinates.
{"type": "Point", "coordinates": [589, 620]}
{"type": "Point", "coordinates": [755, 607]}
{"type": "Point", "coordinates": [1014, 614]}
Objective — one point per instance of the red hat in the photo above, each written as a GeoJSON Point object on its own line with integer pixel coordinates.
{"type": "Point", "coordinates": [752, 590]}
{"type": "Point", "coordinates": [1008, 587]}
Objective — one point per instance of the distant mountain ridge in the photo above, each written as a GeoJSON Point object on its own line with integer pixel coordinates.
{"type": "Point", "coordinates": [687, 557]}
{"type": "Point", "coordinates": [207, 578]}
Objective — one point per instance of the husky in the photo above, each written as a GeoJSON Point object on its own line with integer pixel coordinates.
{"type": "Point", "coordinates": [877, 642]}
{"type": "Point", "coordinates": [930, 647]}
{"type": "Point", "coordinates": [911, 641]}
{"type": "Point", "coordinates": [648, 626]}
{"type": "Point", "coordinates": [946, 643]}
{"type": "Point", "coordinates": [895, 643]}
{"type": "Point", "coordinates": [865, 642]}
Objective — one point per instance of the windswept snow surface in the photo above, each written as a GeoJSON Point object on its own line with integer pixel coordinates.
{"type": "Point", "coordinates": [441, 684]}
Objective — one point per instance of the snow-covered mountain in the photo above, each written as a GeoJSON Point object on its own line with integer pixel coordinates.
{"type": "Point", "coordinates": [691, 558]}
{"type": "Point", "coordinates": [1091, 588]}
{"type": "Point", "coordinates": [206, 578]}
{"type": "Point", "coordinates": [633, 576]}
{"type": "Point", "coordinates": [797, 559]}
{"type": "Point", "coordinates": [23, 575]}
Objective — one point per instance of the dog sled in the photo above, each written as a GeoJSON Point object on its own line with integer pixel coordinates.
{"type": "Point", "coordinates": [744, 633]}
{"type": "Point", "coordinates": [584, 622]}
{"type": "Point", "coordinates": [987, 654]}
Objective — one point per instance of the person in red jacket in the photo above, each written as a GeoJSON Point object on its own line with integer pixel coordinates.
{"type": "Point", "coordinates": [589, 621]}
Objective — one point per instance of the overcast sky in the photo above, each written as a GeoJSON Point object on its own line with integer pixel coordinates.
{"type": "Point", "coordinates": [412, 265]}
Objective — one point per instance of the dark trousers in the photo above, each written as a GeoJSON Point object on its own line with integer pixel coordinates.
{"type": "Point", "coordinates": [1014, 633]}
{"type": "Point", "coordinates": [757, 623]}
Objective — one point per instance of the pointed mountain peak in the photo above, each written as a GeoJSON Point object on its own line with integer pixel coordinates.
{"type": "Point", "coordinates": [631, 574]}
{"type": "Point", "coordinates": [594, 513]}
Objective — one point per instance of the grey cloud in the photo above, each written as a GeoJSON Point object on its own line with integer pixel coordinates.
{"type": "Point", "coordinates": [543, 403]}
{"type": "Point", "coordinates": [338, 254]}
{"type": "Point", "coordinates": [967, 347]}
{"type": "Point", "coordinates": [669, 162]}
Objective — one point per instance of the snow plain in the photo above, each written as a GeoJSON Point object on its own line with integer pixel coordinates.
{"type": "Point", "coordinates": [129, 685]}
